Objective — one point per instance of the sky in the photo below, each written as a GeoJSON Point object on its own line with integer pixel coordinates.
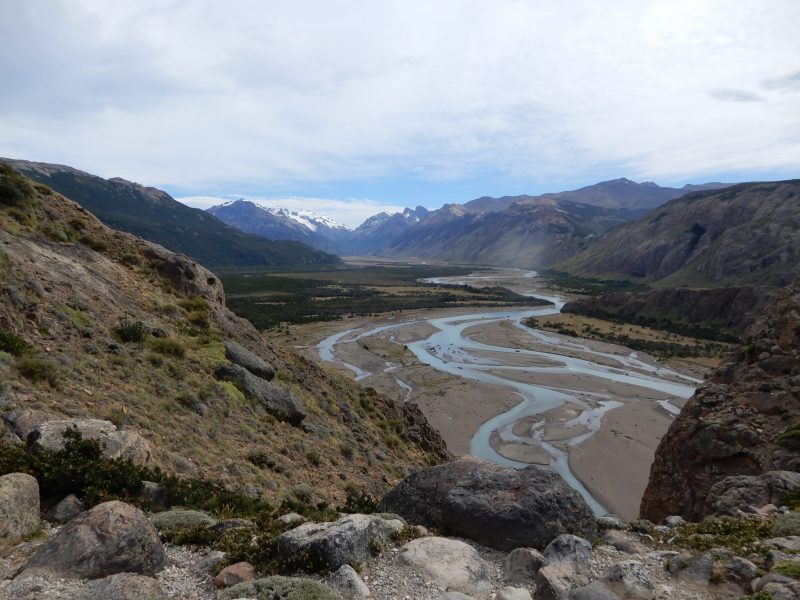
{"type": "Point", "coordinates": [351, 107]}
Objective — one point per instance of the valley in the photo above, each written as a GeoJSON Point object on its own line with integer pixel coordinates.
{"type": "Point", "coordinates": [498, 389]}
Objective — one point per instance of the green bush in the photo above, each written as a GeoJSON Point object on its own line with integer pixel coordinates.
{"type": "Point", "coordinates": [38, 369]}
{"type": "Point", "coordinates": [131, 331]}
{"type": "Point", "coordinates": [168, 347]}
{"type": "Point", "coordinates": [13, 344]}
{"type": "Point", "coordinates": [15, 190]}
{"type": "Point", "coordinates": [94, 243]}
{"type": "Point", "coordinates": [358, 501]}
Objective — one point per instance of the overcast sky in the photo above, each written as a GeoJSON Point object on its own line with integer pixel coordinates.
{"type": "Point", "coordinates": [402, 102]}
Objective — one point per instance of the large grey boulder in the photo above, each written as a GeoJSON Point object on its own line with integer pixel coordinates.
{"type": "Point", "coordinates": [631, 578]}
{"type": "Point", "coordinates": [239, 355]}
{"type": "Point", "coordinates": [787, 524]}
{"type": "Point", "coordinates": [124, 444]}
{"type": "Point", "coordinates": [349, 584]}
{"type": "Point", "coordinates": [123, 586]}
{"type": "Point", "coordinates": [275, 399]}
{"type": "Point", "coordinates": [19, 507]}
{"type": "Point", "coordinates": [452, 564]}
{"type": "Point", "coordinates": [568, 567]}
{"type": "Point", "coordinates": [351, 539]}
{"type": "Point", "coordinates": [111, 538]}
{"type": "Point", "coordinates": [280, 588]}
{"type": "Point", "coordinates": [739, 492]}
{"type": "Point", "coordinates": [22, 421]}
{"type": "Point", "coordinates": [497, 506]}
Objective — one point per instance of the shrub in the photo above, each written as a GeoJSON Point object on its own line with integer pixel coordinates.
{"type": "Point", "coordinates": [358, 501]}
{"type": "Point", "coordinates": [194, 303]}
{"type": "Point", "coordinates": [13, 344]}
{"type": "Point", "coordinates": [314, 458]}
{"type": "Point", "coordinates": [15, 190]}
{"type": "Point", "coordinates": [38, 369]}
{"type": "Point", "coordinates": [131, 331]}
{"type": "Point", "coordinates": [168, 347]}
{"type": "Point", "coordinates": [94, 243]}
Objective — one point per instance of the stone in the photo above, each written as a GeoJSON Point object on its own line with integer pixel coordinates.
{"type": "Point", "coordinates": [741, 570]}
{"type": "Point", "coordinates": [123, 586]}
{"type": "Point", "coordinates": [239, 355]}
{"type": "Point", "coordinates": [453, 564]}
{"type": "Point", "coordinates": [624, 542]}
{"type": "Point", "coordinates": [208, 563]}
{"type": "Point", "coordinates": [631, 578]}
{"type": "Point", "coordinates": [292, 518]}
{"type": "Point", "coordinates": [790, 543]}
{"type": "Point", "coordinates": [116, 443]}
{"type": "Point", "coordinates": [787, 524]}
{"type": "Point", "coordinates": [610, 521]}
{"type": "Point", "coordinates": [233, 574]}
{"type": "Point", "coordinates": [348, 583]}
{"type": "Point", "coordinates": [696, 569]}
{"type": "Point", "coordinates": [179, 518]}
{"type": "Point", "coordinates": [274, 399]}
{"type": "Point", "coordinates": [19, 507]}
{"type": "Point", "coordinates": [22, 422]}
{"type": "Point", "coordinates": [774, 557]}
{"type": "Point", "coordinates": [66, 510]}
{"type": "Point", "coordinates": [674, 521]}
{"type": "Point", "coordinates": [154, 494]}
{"type": "Point", "coordinates": [737, 493]}
{"type": "Point", "coordinates": [572, 550]}
{"type": "Point", "coordinates": [513, 593]}
{"type": "Point", "coordinates": [783, 591]}
{"type": "Point", "coordinates": [226, 525]}
{"type": "Point", "coordinates": [455, 596]}
{"type": "Point", "coordinates": [522, 564]}
{"type": "Point", "coordinates": [111, 538]}
{"type": "Point", "coordinates": [498, 507]}
{"type": "Point", "coordinates": [558, 581]}
{"type": "Point", "coordinates": [351, 539]}
{"type": "Point", "coordinates": [758, 584]}
{"type": "Point", "coordinates": [594, 591]}
{"type": "Point", "coordinates": [280, 588]}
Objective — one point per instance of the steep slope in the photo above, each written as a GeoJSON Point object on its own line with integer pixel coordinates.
{"type": "Point", "coordinates": [98, 323]}
{"type": "Point", "coordinates": [744, 420]}
{"type": "Point", "coordinates": [532, 234]}
{"type": "Point", "coordinates": [743, 234]}
{"type": "Point", "coordinates": [155, 216]}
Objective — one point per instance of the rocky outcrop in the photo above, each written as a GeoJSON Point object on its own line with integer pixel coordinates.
{"type": "Point", "coordinates": [275, 399]}
{"type": "Point", "coordinates": [497, 506]}
{"type": "Point", "coordinates": [743, 421]}
{"type": "Point", "coordinates": [111, 538]}
{"type": "Point", "coordinates": [19, 507]}
{"type": "Point", "coordinates": [739, 493]}
{"type": "Point", "coordinates": [239, 355]}
{"type": "Point", "coordinates": [351, 539]}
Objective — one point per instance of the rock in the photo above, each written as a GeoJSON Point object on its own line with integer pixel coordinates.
{"type": "Point", "coordinates": [571, 550]}
{"type": "Point", "coordinates": [556, 582]}
{"type": "Point", "coordinates": [522, 564]}
{"type": "Point", "coordinates": [499, 507]}
{"type": "Point", "coordinates": [351, 539]}
{"type": "Point", "coordinates": [111, 538]}
{"type": "Point", "coordinates": [124, 444]}
{"type": "Point", "coordinates": [759, 584]}
{"type": "Point", "coordinates": [741, 569]}
{"type": "Point", "coordinates": [208, 563]}
{"type": "Point", "coordinates": [19, 507]}
{"type": "Point", "coordinates": [594, 591]}
{"type": "Point", "coordinates": [737, 493]}
{"type": "Point", "coordinates": [513, 593]}
{"type": "Point", "coordinates": [233, 574]}
{"type": "Point", "coordinates": [624, 542]}
{"type": "Point", "coordinates": [221, 528]}
{"type": "Point", "coordinates": [783, 591]}
{"type": "Point", "coordinates": [66, 510]}
{"type": "Point", "coordinates": [787, 524]}
{"type": "Point", "coordinates": [610, 521]}
{"type": "Point", "coordinates": [22, 422]}
{"type": "Point", "coordinates": [239, 355]}
{"type": "Point", "coordinates": [123, 586]}
{"type": "Point", "coordinates": [179, 518]}
{"type": "Point", "coordinates": [292, 519]}
{"type": "Point", "coordinates": [349, 584]}
{"type": "Point", "coordinates": [696, 569]}
{"type": "Point", "coordinates": [275, 399]}
{"type": "Point", "coordinates": [790, 543]}
{"type": "Point", "coordinates": [455, 596]}
{"type": "Point", "coordinates": [280, 588]}
{"type": "Point", "coordinates": [674, 521]}
{"type": "Point", "coordinates": [154, 494]}
{"type": "Point", "coordinates": [453, 564]}
{"type": "Point", "coordinates": [631, 578]}
{"type": "Point", "coordinates": [774, 557]}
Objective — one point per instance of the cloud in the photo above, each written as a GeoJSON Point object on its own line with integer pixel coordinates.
{"type": "Point", "coordinates": [350, 212]}
{"type": "Point", "coordinates": [731, 95]}
{"type": "Point", "coordinates": [790, 82]}
{"type": "Point", "coordinates": [291, 98]}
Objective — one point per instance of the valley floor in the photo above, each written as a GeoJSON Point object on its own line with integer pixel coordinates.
{"type": "Point", "coordinates": [592, 410]}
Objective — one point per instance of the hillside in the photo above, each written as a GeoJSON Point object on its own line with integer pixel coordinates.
{"type": "Point", "coordinates": [99, 323]}
{"type": "Point", "coordinates": [743, 234]}
{"type": "Point", "coordinates": [155, 216]}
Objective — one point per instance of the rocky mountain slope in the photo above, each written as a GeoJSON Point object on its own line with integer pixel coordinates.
{"type": "Point", "coordinates": [741, 426]}
{"type": "Point", "coordinates": [96, 323]}
{"type": "Point", "coordinates": [746, 233]}
{"type": "Point", "coordinates": [157, 217]}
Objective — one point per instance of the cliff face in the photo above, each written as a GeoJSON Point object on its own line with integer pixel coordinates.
{"type": "Point", "coordinates": [744, 420]}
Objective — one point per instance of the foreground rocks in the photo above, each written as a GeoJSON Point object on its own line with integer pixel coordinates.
{"type": "Point", "coordinates": [454, 564]}
{"type": "Point", "coordinates": [19, 507]}
{"type": "Point", "coordinates": [499, 507]}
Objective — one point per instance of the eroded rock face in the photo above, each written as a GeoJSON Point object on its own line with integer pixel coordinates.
{"type": "Point", "coordinates": [111, 538]}
{"type": "Point", "coordinates": [497, 506]}
{"type": "Point", "coordinates": [19, 507]}
{"type": "Point", "coordinates": [275, 399]}
{"type": "Point", "coordinates": [239, 355]}
{"type": "Point", "coordinates": [743, 421]}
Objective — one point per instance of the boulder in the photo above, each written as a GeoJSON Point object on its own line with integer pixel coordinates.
{"type": "Point", "coordinates": [227, 525]}
{"type": "Point", "coordinates": [737, 493]}
{"type": "Point", "coordinates": [452, 564]}
{"type": "Point", "coordinates": [624, 542]}
{"type": "Point", "coordinates": [66, 510]}
{"type": "Point", "coordinates": [782, 591]}
{"type": "Point", "coordinates": [790, 543]}
{"type": "Point", "coordinates": [522, 564]}
{"type": "Point", "coordinates": [349, 584]}
{"type": "Point", "coordinates": [239, 355]}
{"type": "Point", "coordinates": [179, 518]}
{"type": "Point", "coordinates": [19, 507]}
{"type": "Point", "coordinates": [497, 506]}
{"type": "Point", "coordinates": [610, 521]}
{"type": "Point", "coordinates": [695, 569]}
{"type": "Point", "coordinates": [513, 593]}
{"type": "Point", "coordinates": [111, 538]}
{"type": "Point", "coordinates": [558, 581]}
{"type": "Point", "coordinates": [571, 550]}
{"type": "Point", "coordinates": [787, 524]}
{"type": "Point", "coordinates": [741, 570]}
{"type": "Point", "coordinates": [351, 539]}
{"type": "Point", "coordinates": [209, 562]}
{"type": "Point", "coordinates": [594, 591]}
{"type": "Point", "coordinates": [291, 519]}
{"type": "Point", "coordinates": [22, 422]}
{"type": "Point", "coordinates": [275, 399]}
{"type": "Point", "coordinates": [233, 574]}
{"type": "Point", "coordinates": [123, 444]}
{"type": "Point", "coordinates": [280, 588]}
{"type": "Point", "coordinates": [631, 578]}
{"type": "Point", "coordinates": [123, 586]}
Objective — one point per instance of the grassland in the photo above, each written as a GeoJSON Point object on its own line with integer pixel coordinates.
{"type": "Point", "coordinates": [269, 298]}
